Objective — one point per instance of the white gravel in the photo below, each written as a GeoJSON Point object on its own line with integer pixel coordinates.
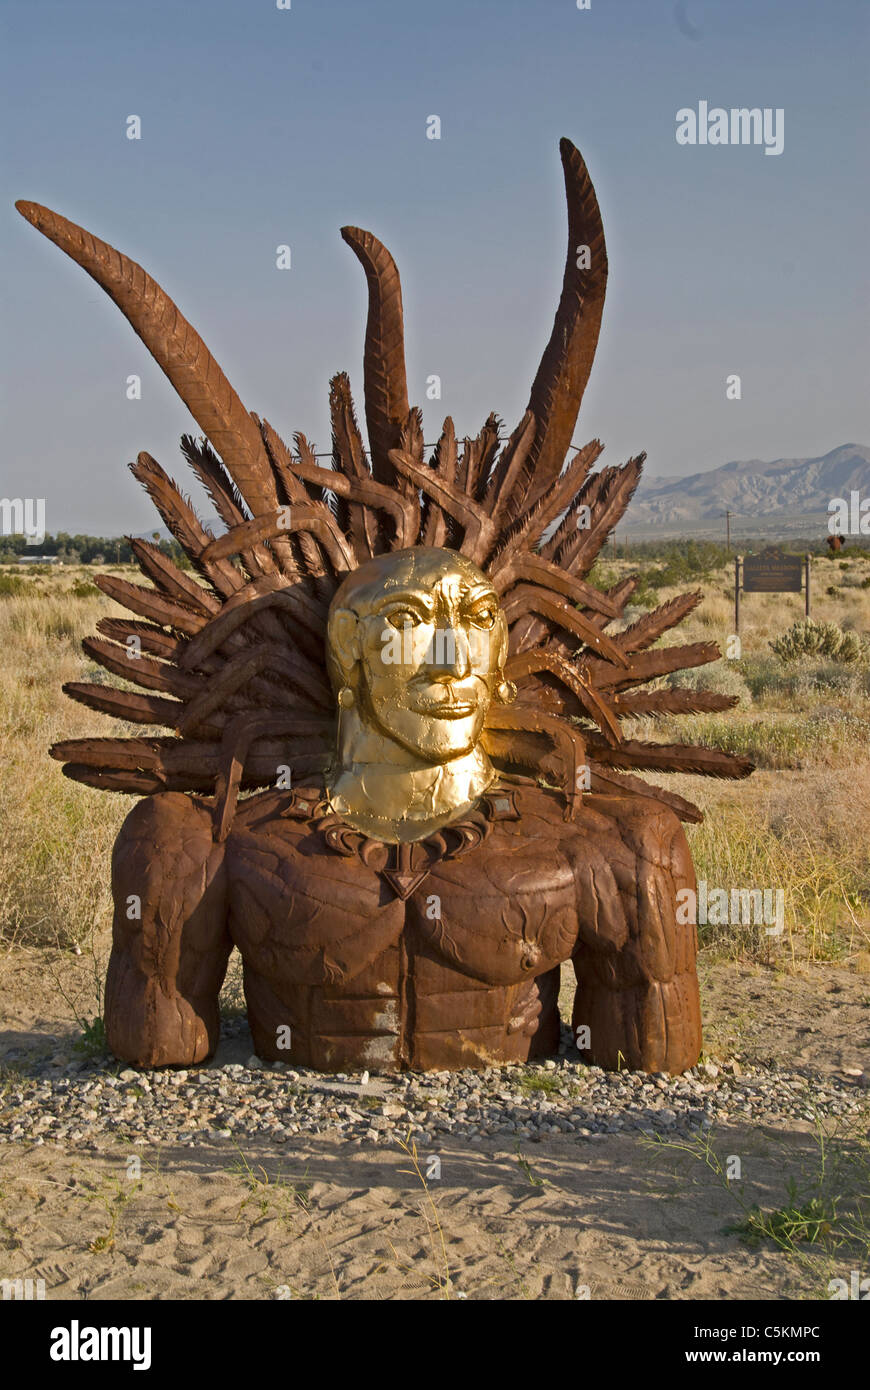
{"type": "Point", "coordinates": [76, 1103]}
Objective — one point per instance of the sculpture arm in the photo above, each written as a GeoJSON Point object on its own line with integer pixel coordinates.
{"type": "Point", "coordinates": [639, 1005]}
{"type": "Point", "coordinates": [170, 942]}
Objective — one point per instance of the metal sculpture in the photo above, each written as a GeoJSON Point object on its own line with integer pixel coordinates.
{"type": "Point", "coordinates": [411, 656]}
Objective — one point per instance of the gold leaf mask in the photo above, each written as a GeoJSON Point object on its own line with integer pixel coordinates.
{"type": "Point", "coordinates": [416, 650]}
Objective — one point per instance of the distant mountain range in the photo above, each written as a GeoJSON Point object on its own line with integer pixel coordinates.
{"type": "Point", "coordinates": [789, 495]}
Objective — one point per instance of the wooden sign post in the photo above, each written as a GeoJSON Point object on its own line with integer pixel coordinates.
{"type": "Point", "coordinates": [771, 572]}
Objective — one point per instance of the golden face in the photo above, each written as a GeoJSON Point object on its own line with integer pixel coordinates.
{"type": "Point", "coordinates": [419, 638]}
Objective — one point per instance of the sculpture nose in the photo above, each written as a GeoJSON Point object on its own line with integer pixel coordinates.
{"type": "Point", "coordinates": [448, 654]}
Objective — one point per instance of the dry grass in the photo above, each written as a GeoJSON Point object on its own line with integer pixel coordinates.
{"type": "Point", "coordinates": [56, 836]}
{"type": "Point", "coordinates": [801, 823]}
{"type": "Point", "coordinates": [798, 832]}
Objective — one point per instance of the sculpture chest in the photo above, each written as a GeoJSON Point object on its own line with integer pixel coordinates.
{"type": "Point", "coordinates": [396, 955]}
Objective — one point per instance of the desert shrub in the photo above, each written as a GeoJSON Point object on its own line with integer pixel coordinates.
{"type": "Point", "coordinates": [722, 677]}
{"type": "Point", "coordinates": [82, 588]}
{"type": "Point", "coordinates": [645, 597]}
{"type": "Point", "coordinates": [602, 575]}
{"type": "Point", "coordinates": [809, 638]}
{"type": "Point", "coordinates": [11, 585]}
{"type": "Point", "coordinates": [773, 681]}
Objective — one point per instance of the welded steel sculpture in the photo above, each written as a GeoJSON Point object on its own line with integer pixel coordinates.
{"type": "Point", "coordinates": [409, 655]}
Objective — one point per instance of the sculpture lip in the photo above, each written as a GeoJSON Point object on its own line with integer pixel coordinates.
{"type": "Point", "coordinates": [450, 701]}
{"type": "Point", "coordinates": [444, 711]}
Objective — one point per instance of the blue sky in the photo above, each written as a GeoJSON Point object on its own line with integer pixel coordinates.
{"type": "Point", "coordinates": [263, 126]}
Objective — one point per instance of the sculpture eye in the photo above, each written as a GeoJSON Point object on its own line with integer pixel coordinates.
{"type": "Point", "coordinates": [403, 617]}
{"type": "Point", "coordinates": [484, 617]}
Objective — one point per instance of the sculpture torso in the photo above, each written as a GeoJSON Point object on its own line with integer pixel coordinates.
{"type": "Point", "coordinates": [438, 954]}
{"type": "Point", "coordinates": [433, 963]}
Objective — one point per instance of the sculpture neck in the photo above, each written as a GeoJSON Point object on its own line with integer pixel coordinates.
{"type": "Point", "coordinates": [392, 794]}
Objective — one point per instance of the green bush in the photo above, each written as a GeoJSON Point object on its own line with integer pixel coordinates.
{"type": "Point", "coordinates": [809, 638]}
{"type": "Point", "coordinates": [602, 576]}
{"type": "Point", "coordinates": [83, 588]}
{"type": "Point", "coordinates": [770, 679]}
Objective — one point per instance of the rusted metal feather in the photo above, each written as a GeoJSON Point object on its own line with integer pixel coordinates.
{"type": "Point", "coordinates": [176, 347]}
{"type": "Point", "coordinates": [669, 757]}
{"type": "Point", "coordinates": [386, 388]}
{"type": "Point", "coordinates": [558, 387]}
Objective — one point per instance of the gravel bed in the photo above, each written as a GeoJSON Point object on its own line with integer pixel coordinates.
{"type": "Point", "coordinates": [76, 1103]}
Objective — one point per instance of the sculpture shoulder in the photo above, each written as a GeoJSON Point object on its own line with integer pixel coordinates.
{"type": "Point", "coordinates": [168, 822]}
{"type": "Point", "coordinates": [537, 816]}
{"type": "Point", "coordinates": [604, 830]}
{"type": "Point", "coordinates": [646, 828]}
{"type": "Point", "coordinates": [166, 854]}
{"type": "Point", "coordinates": [284, 835]}
{"type": "Point", "coordinates": [539, 807]}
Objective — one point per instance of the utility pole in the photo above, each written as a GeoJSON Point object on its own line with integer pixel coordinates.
{"type": "Point", "coordinates": [728, 529]}
{"type": "Point", "coordinates": [807, 561]}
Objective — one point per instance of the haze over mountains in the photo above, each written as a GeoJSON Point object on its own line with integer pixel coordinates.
{"type": "Point", "coordinates": [789, 495]}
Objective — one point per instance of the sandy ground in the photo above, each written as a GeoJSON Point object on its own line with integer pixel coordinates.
{"type": "Point", "coordinates": [615, 1215]}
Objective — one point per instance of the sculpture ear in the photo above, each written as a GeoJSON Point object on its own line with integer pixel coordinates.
{"type": "Point", "coordinates": [344, 639]}
{"type": "Point", "coordinates": [502, 640]}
